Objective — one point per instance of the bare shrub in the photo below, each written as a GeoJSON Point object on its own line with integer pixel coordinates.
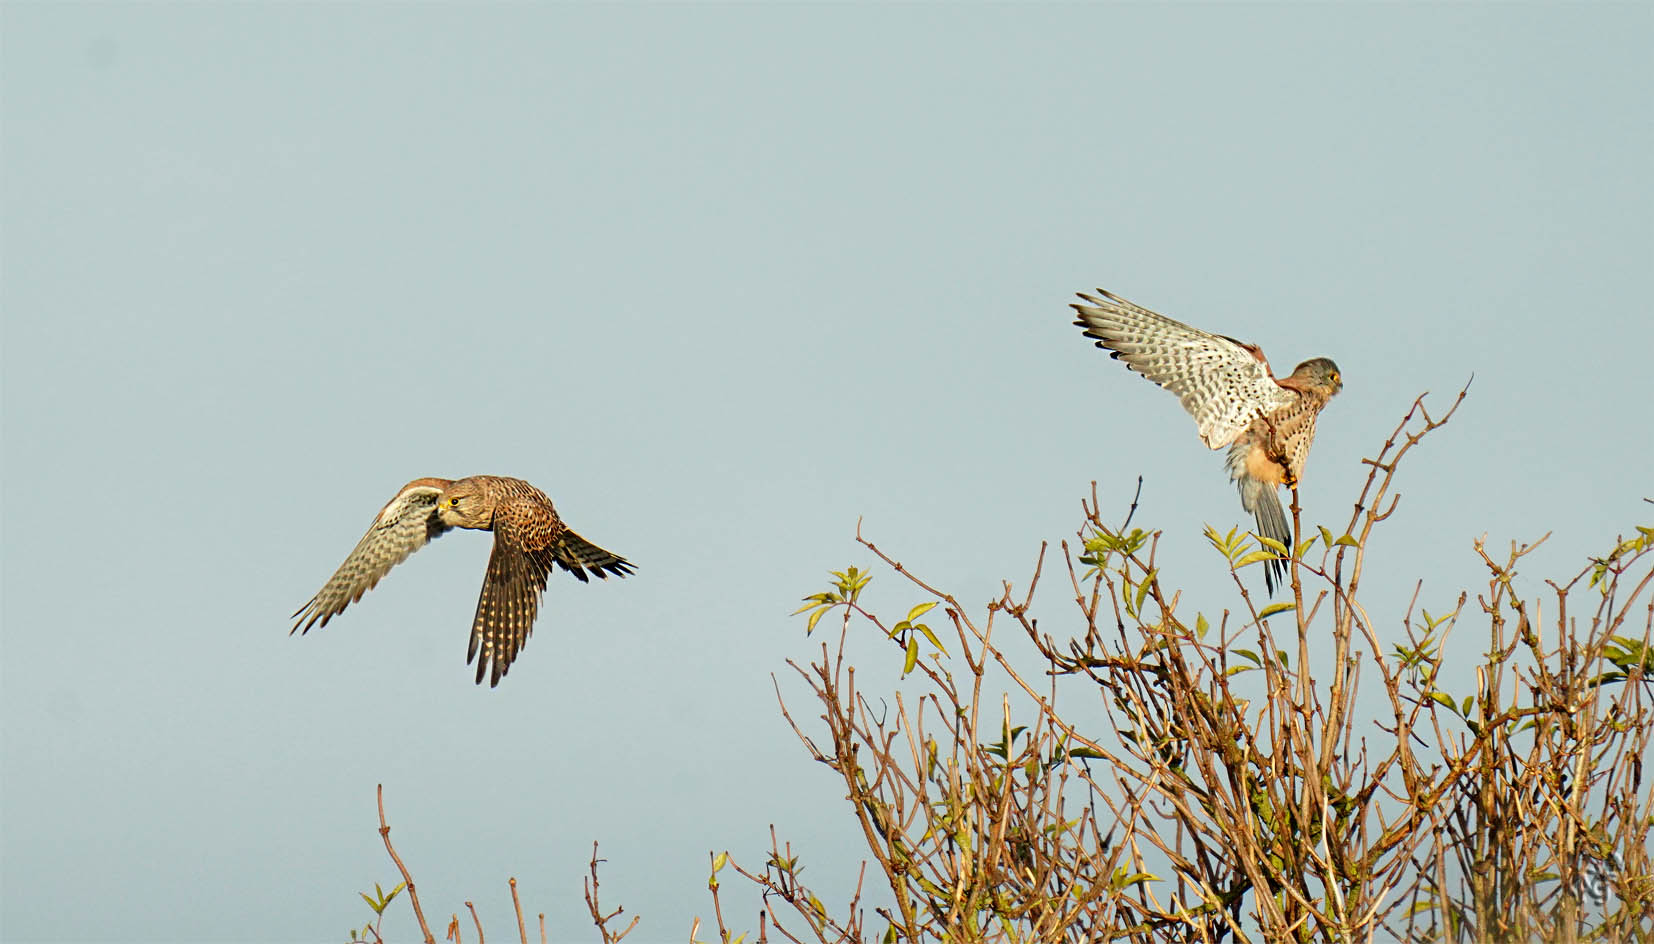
{"type": "Point", "coordinates": [1234, 791]}
{"type": "Point", "coordinates": [1148, 773]}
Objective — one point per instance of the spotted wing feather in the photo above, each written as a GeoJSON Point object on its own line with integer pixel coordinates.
{"type": "Point", "coordinates": [1223, 383]}
{"type": "Point", "coordinates": [406, 524]}
{"type": "Point", "coordinates": [506, 608]}
{"type": "Point", "coordinates": [524, 523]}
{"type": "Point", "coordinates": [529, 541]}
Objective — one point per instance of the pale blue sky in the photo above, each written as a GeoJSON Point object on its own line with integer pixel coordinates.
{"type": "Point", "coordinates": [720, 279]}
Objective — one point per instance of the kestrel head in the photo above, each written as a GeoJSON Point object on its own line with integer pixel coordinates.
{"type": "Point", "coordinates": [1320, 373]}
{"type": "Point", "coordinates": [463, 504]}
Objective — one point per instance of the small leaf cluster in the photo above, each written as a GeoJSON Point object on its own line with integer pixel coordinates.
{"type": "Point", "coordinates": [846, 590]}
{"type": "Point", "coordinates": [1104, 543]}
{"type": "Point", "coordinates": [378, 901]}
{"type": "Point", "coordinates": [1629, 548]}
{"type": "Point", "coordinates": [1427, 650]}
{"type": "Point", "coordinates": [1237, 546]}
{"type": "Point", "coordinates": [907, 632]}
{"type": "Point", "coordinates": [1627, 655]}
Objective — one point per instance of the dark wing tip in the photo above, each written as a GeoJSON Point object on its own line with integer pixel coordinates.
{"type": "Point", "coordinates": [1087, 326]}
{"type": "Point", "coordinates": [577, 555]}
{"type": "Point", "coordinates": [1104, 297]}
{"type": "Point", "coordinates": [308, 617]}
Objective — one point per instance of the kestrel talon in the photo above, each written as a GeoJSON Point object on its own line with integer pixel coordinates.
{"type": "Point", "coordinates": [1226, 385]}
{"type": "Point", "coordinates": [529, 540]}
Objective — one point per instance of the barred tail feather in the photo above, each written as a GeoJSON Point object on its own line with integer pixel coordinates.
{"type": "Point", "coordinates": [1261, 499]}
{"type": "Point", "coordinates": [576, 555]}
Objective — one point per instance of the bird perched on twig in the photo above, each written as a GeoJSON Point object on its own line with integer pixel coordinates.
{"type": "Point", "coordinates": [1226, 385]}
{"type": "Point", "coordinates": [529, 540]}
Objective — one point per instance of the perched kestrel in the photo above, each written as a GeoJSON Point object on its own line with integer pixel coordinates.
{"type": "Point", "coordinates": [1226, 385]}
{"type": "Point", "coordinates": [529, 539]}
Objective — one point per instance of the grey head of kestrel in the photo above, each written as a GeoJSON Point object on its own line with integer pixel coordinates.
{"type": "Point", "coordinates": [1268, 423]}
{"type": "Point", "coordinates": [529, 541]}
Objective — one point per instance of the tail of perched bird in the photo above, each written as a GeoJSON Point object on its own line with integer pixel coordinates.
{"type": "Point", "coordinates": [575, 554]}
{"type": "Point", "coordinates": [1258, 496]}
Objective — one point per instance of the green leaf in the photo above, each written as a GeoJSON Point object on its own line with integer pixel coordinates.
{"type": "Point", "coordinates": [1630, 654]}
{"type": "Point", "coordinates": [1421, 907]}
{"type": "Point", "coordinates": [1348, 541]}
{"type": "Point", "coordinates": [1229, 544]}
{"type": "Point", "coordinates": [817, 615]}
{"type": "Point", "coordinates": [932, 637]}
{"type": "Point", "coordinates": [1443, 698]}
{"type": "Point", "coordinates": [912, 654]}
{"type": "Point", "coordinates": [1249, 654]}
{"type": "Point", "coordinates": [1274, 608]}
{"type": "Point", "coordinates": [813, 600]}
{"type": "Point", "coordinates": [1272, 544]}
{"type": "Point", "coordinates": [1201, 626]}
{"type": "Point", "coordinates": [719, 861]}
{"type": "Point", "coordinates": [1254, 557]}
{"type": "Point", "coordinates": [1326, 536]}
{"type": "Point", "coordinates": [919, 611]}
{"type": "Point", "coordinates": [1123, 880]}
{"type": "Point", "coordinates": [1468, 701]}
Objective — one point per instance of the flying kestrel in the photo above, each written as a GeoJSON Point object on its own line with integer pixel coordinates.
{"type": "Point", "coordinates": [1226, 385]}
{"type": "Point", "coordinates": [529, 539]}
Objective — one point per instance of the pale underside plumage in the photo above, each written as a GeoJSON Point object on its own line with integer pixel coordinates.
{"type": "Point", "coordinates": [529, 541]}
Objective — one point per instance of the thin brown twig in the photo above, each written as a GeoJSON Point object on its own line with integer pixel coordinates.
{"type": "Point", "coordinates": [600, 919]}
{"type": "Point", "coordinates": [413, 896]}
{"type": "Point", "coordinates": [517, 905]}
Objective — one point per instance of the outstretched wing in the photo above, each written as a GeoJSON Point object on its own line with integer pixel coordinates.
{"type": "Point", "coordinates": [506, 608]}
{"type": "Point", "coordinates": [529, 541]}
{"type": "Point", "coordinates": [1224, 384]}
{"type": "Point", "coordinates": [517, 569]}
{"type": "Point", "coordinates": [405, 525]}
